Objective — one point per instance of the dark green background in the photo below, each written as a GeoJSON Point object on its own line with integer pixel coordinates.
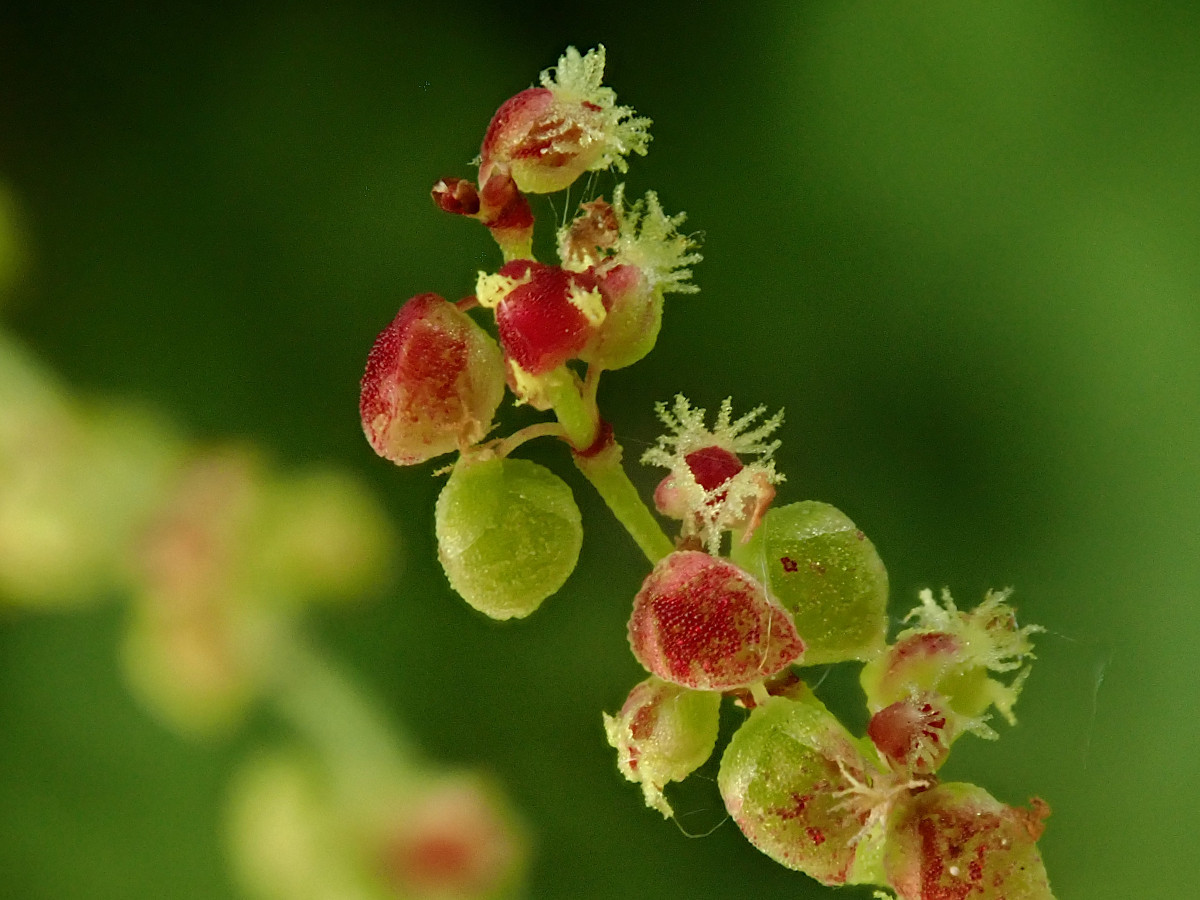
{"type": "Point", "coordinates": [957, 240]}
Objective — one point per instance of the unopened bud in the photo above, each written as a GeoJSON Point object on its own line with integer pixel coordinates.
{"type": "Point", "coordinates": [545, 314]}
{"type": "Point", "coordinates": [827, 574]}
{"type": "Point", "coordinates": [797, 785]}
{"type": "Point", "coordinates": [956, 840]}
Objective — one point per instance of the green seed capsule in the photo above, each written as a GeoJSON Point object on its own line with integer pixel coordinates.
{"type": "Point", "coordinates": [801, 790]}
{"type": "Point", "coordinates": [508, 533]}
{"type": "Point", "coordinates": [826, 573]}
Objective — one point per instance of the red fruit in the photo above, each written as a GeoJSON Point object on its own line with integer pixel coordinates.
{"type": "Point", "coordinates": [432, 384]}
{"type": "Point", "coordinates": [545, 314]}
{"type": "Point", "coordinates": [703, 623]}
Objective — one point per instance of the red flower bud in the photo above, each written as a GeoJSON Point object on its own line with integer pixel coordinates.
{"type": "Point", "coordinates": [506, 213]}
{"type": "Point", "coordinates": [456, 196]}
{"type": "Point", "coordinates": [432, 384]}
{"type": "Point", "coordinates": [545, 314]}
{"type": "Point", "coordinates": [701, 622]}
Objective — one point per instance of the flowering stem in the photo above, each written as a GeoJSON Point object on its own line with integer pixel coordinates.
{"type": "Point", "coordinates": [607, 475]}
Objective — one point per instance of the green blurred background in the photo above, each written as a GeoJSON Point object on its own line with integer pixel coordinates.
{"type": "Point", "coordinates": [958, 241]}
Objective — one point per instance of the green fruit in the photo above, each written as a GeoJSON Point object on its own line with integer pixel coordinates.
{"type": "Point", "coordinates": [798, 786]}
{"type": "Point", "coordinates": [826, 573]}
{"type": "Point", "coordinates": [663, 733]}
{"type": "Point", "coordinates": [508, 533]}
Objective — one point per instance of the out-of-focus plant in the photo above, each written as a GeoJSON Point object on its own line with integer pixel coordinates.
{"type": "Point", "coordinates": [747, 592]}
{"type": "Point", "coordinates": [218, 556]}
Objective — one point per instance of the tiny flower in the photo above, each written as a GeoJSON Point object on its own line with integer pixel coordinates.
{"type": "Point", "coordinates": [637, 256]}
{"type": "Point", "coordinates": [432, 384]}
{"type": "Point", "coordinates": [589, 238]}
{"type": "Point", "coordinates": [711, 488]}
{"type": "Point", "coordinates": [952, 652]}
{"type": "Point", "coordinates": [703, 623]}
{"type": "Point", "coordinates": [456, 196]}
{"type": "Point", "coordinates": [913, 734]}
{"type": "Point", "coordinates": [545, 314]}
{"type": "Point", "coordinates": [550, 135]}
{"type": "Point", "coordinates": [498, 204]}
{"type": "Point", "coordinates": [663, 733]}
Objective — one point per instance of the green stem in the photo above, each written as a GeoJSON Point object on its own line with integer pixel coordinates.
{"type": "Point", "coordinates": [575, 406]}
{"type": "Point", "coordinates": [608, 476]}
{"type": "Point", "coordinates": [578, 419]}
{"type": "Point", "coordinates": [328, 712]}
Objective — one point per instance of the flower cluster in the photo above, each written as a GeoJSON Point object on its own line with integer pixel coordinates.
{"type": "Point", "coordinates": [748, 593]}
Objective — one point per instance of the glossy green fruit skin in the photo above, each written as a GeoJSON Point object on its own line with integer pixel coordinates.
{"type": "Point", "coordinates": [508, 534]}
{"type": "Point", "coordinates": [826, 573]}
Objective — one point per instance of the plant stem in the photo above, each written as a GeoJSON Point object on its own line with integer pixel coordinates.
{"type": "Point", "coordinates": [575, 407]}
{"type": "Point", "coordinates": [608, 476]}
{"type": "Point", "coordinates": [579, 420]}
{"type": "Point", "coordinates": [335, 719]}
{"type": "Point", "coordinates": [507, 445]}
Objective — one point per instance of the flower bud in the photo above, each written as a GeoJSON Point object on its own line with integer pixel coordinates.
{"type": "Point", "coordinates": [956, 840]}
{"type": "Point", "coordinates": [508, 534]}
{"type": "Point", "coordinates": [791, 778]}
{"type": "Point", "coordinates": [951, 653]}
{"type": "Point", "coordinates": [545, 314]}
{"type": "Point", "coordinates": [663, 733]}
{"type": "Point", "coordinates": [506, 213]}
{"type": "Point", "coordinates": [703, 623]}
{"type": "Point", "coordinates": [550, 135]}
{"type": "Point", "coordinates": [432, 384]}
{"type": "Point", "coordinates": [826, 573]}
{"type": "Point", "coordinates": [634, 318]}
{"type": "Point", "coordinates": [456, 196]}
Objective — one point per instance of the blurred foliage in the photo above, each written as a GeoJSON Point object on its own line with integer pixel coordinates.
{"type": "Point", "coordinates": [957, 241]}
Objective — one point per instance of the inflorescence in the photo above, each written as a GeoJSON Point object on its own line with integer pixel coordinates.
{"type": "Point", "coordinates": [749, 592]}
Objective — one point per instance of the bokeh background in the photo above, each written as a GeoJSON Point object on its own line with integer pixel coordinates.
{"type": "Point", "coordinates": [956, 240]}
